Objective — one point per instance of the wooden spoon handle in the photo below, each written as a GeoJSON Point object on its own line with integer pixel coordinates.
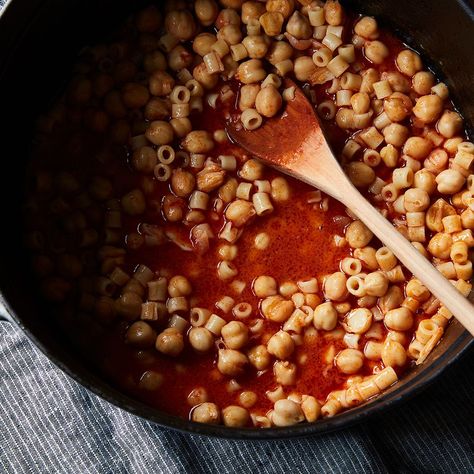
{"type": "Point", "coordinates": [439, 286]}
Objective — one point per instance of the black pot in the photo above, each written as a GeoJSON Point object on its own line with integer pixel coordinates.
{"type": "Point", "coordinates": [38, 44]}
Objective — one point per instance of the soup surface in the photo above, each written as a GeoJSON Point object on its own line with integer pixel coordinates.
{"type": "Point", "coordinates": [210, 286]}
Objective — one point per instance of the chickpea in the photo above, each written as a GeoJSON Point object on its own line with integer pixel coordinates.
{"type": "Point", "coordinates": [206, 11]}
{"type": "Point", "coordinates": [154, 61]}
{"type": "Point", "coordinates": [367, 28]}
{"type": "Point", "coordinates": [201, 74]}
{"type": "Point", "coordinates": [160, 132]}
{"type": "Point", "coordinates": [240, 212]}
{"type": "Point", "coordinates": [440, 245]}
{"type": "Point", "coordinates": [252, 11]}
{"type": "Point", "coordinates": [376, 284]}
{"type": "Point", "coordinates": [376, 51]}
{"type": "Point", "coordinates": [182, 182]}
{"type": "Point", "coordinates": [360, 102]}
{"type": "Point", "coordinates": [425, 180]}
{"type": "Point", "coordinates": [248, 399]}
{"type": "Point", "coordinates": [277, 309]}
{"type": "Point", "coordinates": [248, 95]}
{"type": "Point", "coordinates": [231, 362]}
{"type": "Point", "coordinates": [179, 286]}
{"type": "Point", "coordinates": [397, 106]}
{"type": "Point", "coordinates": [281, 345]}
{"type": "Point", "coordinates": [399, 319]}
{"type": "Point", "coordinates": [140, 334]}
{"type": "Point", "coordinates": [170, 342]}
{"type": "Point", "coordinates": [395, 134]}
{"type": "Point", "coordinates": [148, 20]}
{"type": "Point", "coordinates": [250, 71]}
{"type": "Point", "coordinates": [335, 286]}
{"type": "Point", "coordinates": [298, 25]}
{"type": "Point", "coordinates": [284, 372]}
{"type": "Point", "coordinates": [333, 12]}
{"type": "Point", "coordinates": [197, 396]}
{"type": "Point", "coordinates": [256, 46]}
{"type": "Point", "coordinates": [180, 24]}
{"type": "Point", "coordinates": [228, 252]}
{"type": "Point", "coordinates": [428, 108]}
{"type": "Point", "coordinates": [325, 317]}
{"type": "Point", "coordinates": [234, 4]}
{"type": "Point", "coordinates": [231, 34]}
{"type": "Point", "coordinates": [391, 299]}
{"type": "Point", "coordinates": [358, 235]}
{"type": "Point", "coordinates": [417, 147]}
{"type": "Point", "coordinates": [134, 96]}
{"type": "Point", "coordinates": [173, 208]}
{"type": "Point", "coordinates": [201, 339]}
{"type": "Point", "coordinates": [279, 51]}
{"type": "Point", "coordinates": [416, 200]}
{"type": "Point", "coordinates": [311, 408]}
{"type": "Point", "coordinates": [436, 161]}
{"type": "Point", "coordinates": [360, 174]}
{"type": "Point", "coordinates": [280, 189]}
{"type": "Point", "coordinates": [161, 83]}
{"type": "Point", "coordinates": [287, 413]}
{"type": "Point", "coordinates": [206, 413]}
{"type": "Point", "coordinates": [198, 141]}
{"type": "Point", "coordinates": [144, 159]}
{"type": "Point", "coordinates": [304, 68]}
{"type": "Point", "coordinates": [227, 16]}
{"type": "Point", "coordinates": [272, 23]}
{"type": "Point", "coordinates": [422, 82]}
{"type": "Point", "coordinates": [179, 58]}
{"type": "Point", "coordinates": [450, 181]}
{"type": "Point", "coordinates": [449, 124]}
{"type": "Point", "coordinates": [349, 361]}
{"type": "Point", "coordinates": [157, 109]}
{"type": "Point", "coordinates": [235, 334]}
{"type": "Point", "coordinates": [398, 82]}
{"type": "Point", "coordinates": [268, 101]}
{"type": "Point", "coordinates": [264, 286]}
{"type": "Point", "coordinates": [133, 203]}
{"type": "Point", "coordinates": [151, 380]}
{"type": "Point", "coordinates": [358, 320]}
{"type": "Point", "coordinates": [251, 170]}
{"type": "Point", "coordinates": [203, 42]}
{"type": "Point", "coordinates": [259, 357]}
{"type": "Point", "coordinates": [409, 62]}
{"type": "Point", "coordinates": [235, 416]}
{"type": "Point", "coordinates": [393, 354]}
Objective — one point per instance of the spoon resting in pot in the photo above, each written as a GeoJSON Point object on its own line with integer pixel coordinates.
{"type": "Point", "coordinates": [293, 142]}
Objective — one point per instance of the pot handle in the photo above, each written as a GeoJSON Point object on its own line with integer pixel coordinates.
{"type": "Point", "coordinates": [4, 314]}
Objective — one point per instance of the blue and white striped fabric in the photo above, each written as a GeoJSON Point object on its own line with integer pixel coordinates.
{"type": "Point", "coordinates": [50, 424]}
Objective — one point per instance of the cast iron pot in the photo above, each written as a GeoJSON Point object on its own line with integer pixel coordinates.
{"type": "Point", "coordinates": [39, 40]}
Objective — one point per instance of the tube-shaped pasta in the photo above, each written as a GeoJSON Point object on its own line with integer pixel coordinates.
{"type": "Point", "coordinates": [262, 203]}
{"type": "Point", "coordinates": [251, 119]}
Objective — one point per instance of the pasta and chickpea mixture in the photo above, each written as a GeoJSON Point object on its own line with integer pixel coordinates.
{"type": "Point", "coordinates": [211, 286]}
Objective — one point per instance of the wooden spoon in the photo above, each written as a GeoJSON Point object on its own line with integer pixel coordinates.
{"type": "Point", "coordinates": [294, 143]}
